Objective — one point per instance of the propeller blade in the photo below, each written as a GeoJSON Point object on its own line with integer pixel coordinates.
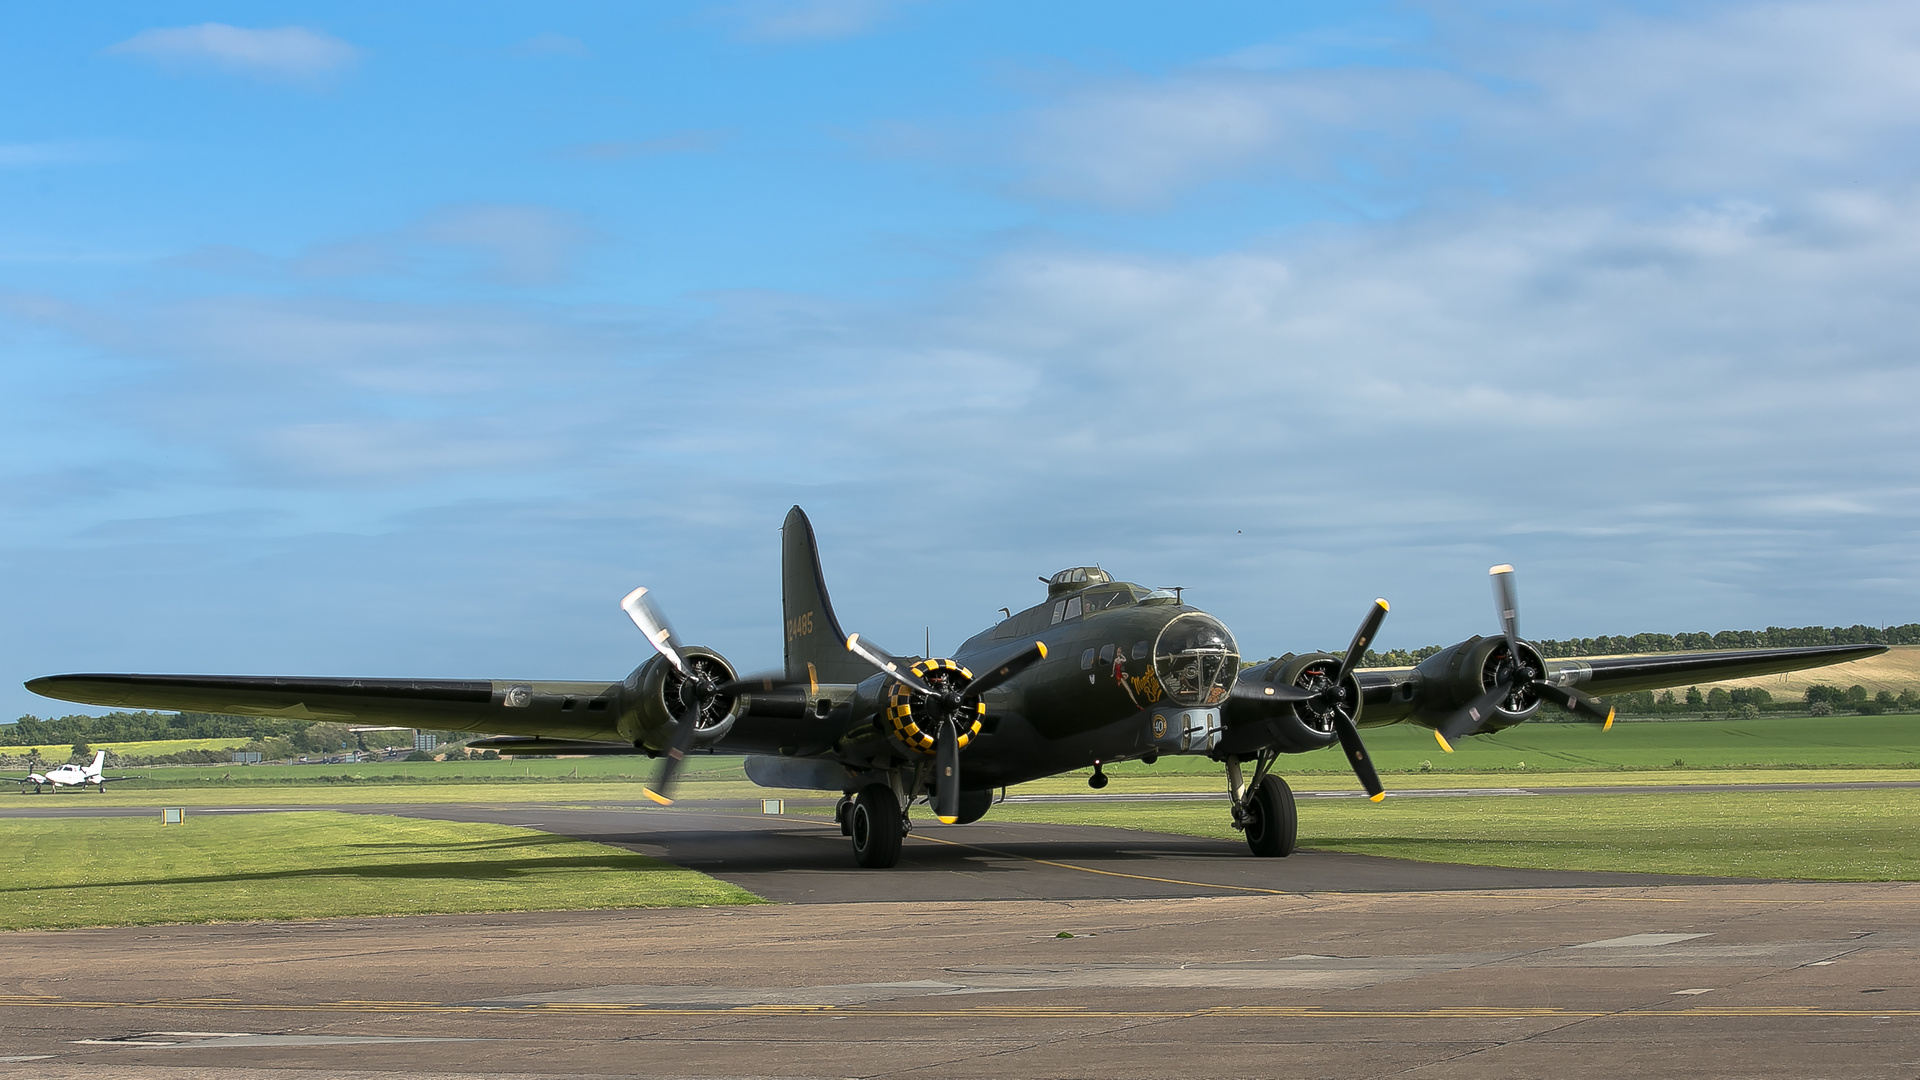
{"type": "Point", "coordinates": [946, 794]}
{"type": "Point", "coordinates": [878, 657]}
{"type": "Point", "coordinates": [1362, 638]}
{"type": "Point", "coordinates": [1576, 702]}
{"type": "Point", "coordinates": [1357, 755]}
{"type": "Point", "coordinates": [1506, 604]}
{"type": "Point", "coordinates": [1468, 720]}
{"type": "Point", "coordinates": [661, 790]}
{"type": "Point", "coordinates": [1247, 690]}
{"type": "Point", "coordinates": [1020, 662]}
{"type": "Point", "coordinates": [640, 608]}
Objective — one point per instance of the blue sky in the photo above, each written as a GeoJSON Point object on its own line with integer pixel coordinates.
{"type": "Point", "coordinates": [354, 339]}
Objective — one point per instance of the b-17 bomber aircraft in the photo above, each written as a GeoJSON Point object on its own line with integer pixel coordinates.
{"type": "Point", "coordinates": [70, 775]}
{"type": "Point", "coordinates": [1101, 671]}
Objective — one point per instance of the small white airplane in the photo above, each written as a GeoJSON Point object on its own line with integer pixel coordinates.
{"type": "Point", "coordinates": [69, 775]}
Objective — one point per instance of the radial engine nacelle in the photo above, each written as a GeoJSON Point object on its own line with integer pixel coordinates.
{"type": "Point", "coordinates": [656, 693]}
{"type": "Point", "coordinates": [1458, 674]}
{"type": "Point", "coordinates": [1290, 727]}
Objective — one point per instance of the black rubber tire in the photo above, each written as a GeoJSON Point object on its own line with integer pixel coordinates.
{"type": "Point", "coordinates": [1273, 825]}
{"type": "Point", "coordinates": [876, 831]}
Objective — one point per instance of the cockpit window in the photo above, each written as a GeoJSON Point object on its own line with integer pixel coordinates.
{"type": "Point", "coordinates": [1196, 659]}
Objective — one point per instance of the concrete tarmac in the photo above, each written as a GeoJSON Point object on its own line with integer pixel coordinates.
{"type": "Point", "coordinates": [999, 950]}
{"type": "Point", "coordinates": [1779, 980]}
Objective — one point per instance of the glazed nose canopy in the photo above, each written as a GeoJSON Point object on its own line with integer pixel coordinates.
{"type": "Point", "coordinates": [1196, 659]}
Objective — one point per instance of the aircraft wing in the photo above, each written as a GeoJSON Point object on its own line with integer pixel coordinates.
{"type": "Point", "coordinates": [1628, 674]}
{"type": "Point", "coordinates": [568, 710]}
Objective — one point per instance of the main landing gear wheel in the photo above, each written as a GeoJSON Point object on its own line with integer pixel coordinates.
{"type": "Point", "coordinates": [875, 825]}
{"type": "Point", "coordinates": [1272, 823]}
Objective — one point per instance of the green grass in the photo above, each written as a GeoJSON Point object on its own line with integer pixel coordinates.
{"type": "Point", "coordinates": [122, 871]}
{"type": "Point", "coordinates": [1820, 835]}
{"type": "Point", "coordinates": [1782, 742]}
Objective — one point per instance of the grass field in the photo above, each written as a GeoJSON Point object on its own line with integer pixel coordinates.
{"type": "Point", "coordinates": [1820, 835]}
{"type": "Point", "coordinates": [125, 871]}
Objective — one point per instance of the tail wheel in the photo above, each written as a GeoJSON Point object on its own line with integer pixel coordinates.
{"type": "Point", "coordinates": [875, 825]}
{"type": "Point", "coordinates": [1273, 825]}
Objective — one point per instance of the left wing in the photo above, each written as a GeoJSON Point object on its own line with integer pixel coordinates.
{"type": "Point", "coordinates": [567, 710]}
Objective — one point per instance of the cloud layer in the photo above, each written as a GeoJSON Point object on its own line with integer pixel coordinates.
{"type": "Point", "coordinates": [1628, 304]}
{"type": "Point", "coordinates": [290, 53]}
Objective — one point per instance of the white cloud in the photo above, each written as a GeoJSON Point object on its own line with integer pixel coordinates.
{"type": "Point", "coordinates": [550, 43]}
{"type": "Point", "coordinates": [1740, 97]}
{"type": "Point", "coordinates": [28, 155]}
{"type": "Point", "coordinates": [501, 244]}
{"type": "Point", "coordinates": [680, 142]}
{"type": "Point", "coordinates": [292, 53]}
{"type": "Point", "coordinates": [811, 20]}
{"type": "Point", "coordinates": [516, 245]}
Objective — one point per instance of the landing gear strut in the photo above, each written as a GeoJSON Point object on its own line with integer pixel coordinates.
{"type": "Point", "coordinates": [1264, 809]}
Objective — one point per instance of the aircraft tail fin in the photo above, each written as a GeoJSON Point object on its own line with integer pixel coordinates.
{"type": "Point", "coordinates": [814, 637]}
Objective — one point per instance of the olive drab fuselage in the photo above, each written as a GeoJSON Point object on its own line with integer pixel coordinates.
{"type": "Point", "coordinates": [1102, 694]}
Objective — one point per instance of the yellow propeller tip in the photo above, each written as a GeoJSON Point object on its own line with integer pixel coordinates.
{"type": "Point", "coordinates": [1442, 740]}
{"type": "Point", "coordinates": [1376, 798]}
{"type": "Point", "coordinates": [657, 797]}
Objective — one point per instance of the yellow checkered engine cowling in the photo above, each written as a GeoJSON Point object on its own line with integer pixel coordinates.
{"type": "Point", "coordinates": [914, 723]}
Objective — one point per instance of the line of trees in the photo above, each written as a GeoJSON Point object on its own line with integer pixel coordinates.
{"type": "Point", "coordinates": [145, 726]}
{"type": "Point", "coordinates": [1818, 700]}
{"type": "Point", "coordinates": [1773, 637]}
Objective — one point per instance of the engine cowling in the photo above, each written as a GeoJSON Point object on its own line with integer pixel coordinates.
{"type": "Point", "coordinates": [911, 720]}
{"type": "Point", "coordinates": [1460, 673]}
{"type": "Point", "coordinates": [1291, 727]}
{"type": "Point", "coordinates": [653, 700]}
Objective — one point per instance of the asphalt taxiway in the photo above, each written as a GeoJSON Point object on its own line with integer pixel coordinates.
{"type": "Point", "coordinates": [1781, 980]}
{"type": "Point", "coordinates": [998, 950]}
